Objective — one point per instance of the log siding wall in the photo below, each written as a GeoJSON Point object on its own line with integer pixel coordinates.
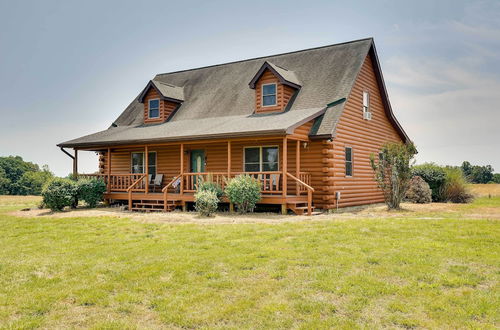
{"type": "Point", "coordinates": [364, 137]}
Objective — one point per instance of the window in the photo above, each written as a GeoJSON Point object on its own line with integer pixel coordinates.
{"type": "Point", "coordinates": [348, 161]}
{"type": "Point", "coordinates": [366, 102]}
{"type": "Point", "coordinates": [138, 162]}
{"type": "Point", "coordinates": [261, 159]}
{"type": "Point", "coordinates": [154, 108]}
{"type": "Point", "coordinates": [268, 95]}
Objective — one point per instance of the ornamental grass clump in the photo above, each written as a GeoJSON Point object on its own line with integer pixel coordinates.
{"type": "Point", "coordinates": [206, 202]}
{"type": "Point", "coordinates": [455, 187]}
{"type": "Point", "coordinates": [243, 191]}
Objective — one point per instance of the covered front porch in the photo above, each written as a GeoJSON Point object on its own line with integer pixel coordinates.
{"type": "Point", "coordinates": [165, 176]}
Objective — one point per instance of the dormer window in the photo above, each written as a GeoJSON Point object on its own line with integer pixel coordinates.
{"type": "Point", "coordinates": [268, 95]}
{"type": "Point", "coordinates": [160, 100]}
{"type": "Point", "coordinates": [154, 108]}
{"type": "Point", "coordinates": [274, 87]}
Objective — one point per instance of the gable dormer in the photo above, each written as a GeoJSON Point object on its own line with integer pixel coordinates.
{"type": "Point", "coordinates": [274, 87]}
{"type": "Point", "coordinates": [160, 101]}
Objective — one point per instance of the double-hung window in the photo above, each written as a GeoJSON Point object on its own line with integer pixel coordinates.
{"type": "Point", "coordinates": [268, 95]}
{"type": "Point", "coordinates": [261, 159]}
{"type": "Point", "coordinates": [154, 108]}
{"type": "Point", "coordinates": [348, 161]}
{"type": "Point", "coordinates": [138, 162]}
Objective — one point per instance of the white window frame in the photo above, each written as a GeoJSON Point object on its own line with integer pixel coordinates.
{"type": "Point", "coordinates": [149, 109]}
{"type": "Point", "coordinates": [143, 161]}
{"type": "Point", "coordinates": [261, 163]}
{"type": "Point", "coordinates": [349, 161]}
{"type": "Point", "coordinates": [366, 101]}
{"type": "Point", "coordinates": [275, 95]}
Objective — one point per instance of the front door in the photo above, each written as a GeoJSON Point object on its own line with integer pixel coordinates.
{"type": "Point", "coordinates": [197, 161]}
{"type": "Point", "coordinates": [197, 166]}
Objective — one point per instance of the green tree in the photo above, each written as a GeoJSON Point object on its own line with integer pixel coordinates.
{"type": "Point", "coordinates": [496, 178]}
{"type": "Point", "coordinates": [393, 171]}
{"type": "Point", "coordinates": [466, 169]}
{"type": "Point", "coordinates": [32, 183]}
{"type": "Point", "coordinates": [481, 174]}
{"type": "Point", "coordinates": [18, 177]}
{"type": "Point", "coordinates": [4, 183]}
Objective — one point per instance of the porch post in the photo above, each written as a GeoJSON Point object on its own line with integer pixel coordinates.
{"type": "Point", "coordinates": [285, 170]}
{"type": "Point", "coordinates": [231, 206]}
{"type": "Point", "coordinates": [182, 177]}
{"type": "Point", "coordinates": [75, 165]}
{"type": "Point", "coordinates": [297, 165]}
{"type": "Point", "coordinates": [146, 157]}
{"type": "Point", "coordinates": [109, 170]}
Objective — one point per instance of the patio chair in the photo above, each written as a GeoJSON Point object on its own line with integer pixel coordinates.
{"type": "Point", "coordinates": [156, 182]}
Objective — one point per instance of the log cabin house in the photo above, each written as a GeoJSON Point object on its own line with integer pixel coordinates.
{"type": "Point", "coordinates": [303, 123]}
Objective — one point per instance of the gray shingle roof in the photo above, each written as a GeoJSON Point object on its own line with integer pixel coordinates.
{"type": "Point", "coordinates": [285, 76]}
{"type": "Point", "coordinates": [230, 126]}
{"type": "Point", "coordinates": [221, 93]}
{"type": "Point", "coordinates": [167, 91]}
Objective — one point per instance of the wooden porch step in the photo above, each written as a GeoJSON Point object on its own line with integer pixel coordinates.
{"type": "Point", "coordinates": [299, 208]}
{"type": "Point", "coordinates": [157, 205]}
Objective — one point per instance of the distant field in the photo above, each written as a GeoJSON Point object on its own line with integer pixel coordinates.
{"type": "Point", "coordinates": [433, 267]}
{"type": "Point", "coordinates": [485, 189]}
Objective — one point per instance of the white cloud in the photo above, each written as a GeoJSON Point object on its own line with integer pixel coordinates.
{"type": "Point", "coordinates": [451, 111]}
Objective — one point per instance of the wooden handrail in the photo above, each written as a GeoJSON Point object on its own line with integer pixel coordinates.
{"type": "Point", "coordinates": [170, 183]}
{"type": "Point", "coordinates": [129, 190]}
{"type": "Point", "coordinates": [165, 191]}
{"type": "Point", "coordinates": [310, 190]}
{"type": "Point", "coordinates": [300, 181]}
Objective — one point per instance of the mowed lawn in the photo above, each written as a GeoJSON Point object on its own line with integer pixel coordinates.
{"type": "Point", "coordinates": [410, 271]}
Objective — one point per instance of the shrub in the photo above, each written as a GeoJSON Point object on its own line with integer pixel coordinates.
{"type": "Point", "coordinates": [434, 175]}
{"type": "Point", "coordinates": [455, 187]}
{"type": "Point", "coordinates": [209, 185]}
{"type": "Point", "coordinates": [419, 191]}
{"type": "Point", "coordinates": [393, 171]}
{"type": "Point", "coordinates": [206, 202]}
{"type": "Point", "coordinates": [91, 191]}
{"type": "Point", "coordinates": [244, 191]}
{"type": "Point", "coordinates": [59, 193]}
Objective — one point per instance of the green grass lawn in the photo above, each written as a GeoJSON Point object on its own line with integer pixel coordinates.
{"type": "Point", "coordinates": [119, 273]}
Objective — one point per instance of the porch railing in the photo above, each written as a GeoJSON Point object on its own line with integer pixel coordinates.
{"type": "Point", "coordinates": [119, 182]}
{"type": "Point", "coordinates": [271, 182]}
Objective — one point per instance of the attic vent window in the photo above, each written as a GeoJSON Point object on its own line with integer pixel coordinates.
{"type": "Point", "coordinates": [268, 95]}
{"type": "Point", "coordinates": [154, 108]}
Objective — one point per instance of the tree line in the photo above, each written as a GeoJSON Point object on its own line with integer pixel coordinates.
{"type": "Point", "coordinates": [18, 177]}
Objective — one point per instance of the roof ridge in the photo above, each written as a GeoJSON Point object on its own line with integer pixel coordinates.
{"type": "Point", "coordinates": [261, 57]}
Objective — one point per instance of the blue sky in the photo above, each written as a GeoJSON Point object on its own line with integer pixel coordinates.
{"type": "Point", "coordinates": [68, 68]}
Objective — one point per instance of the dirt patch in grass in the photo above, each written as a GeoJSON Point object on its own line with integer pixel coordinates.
{"type": "Point", "coordinates": [422, 211]}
